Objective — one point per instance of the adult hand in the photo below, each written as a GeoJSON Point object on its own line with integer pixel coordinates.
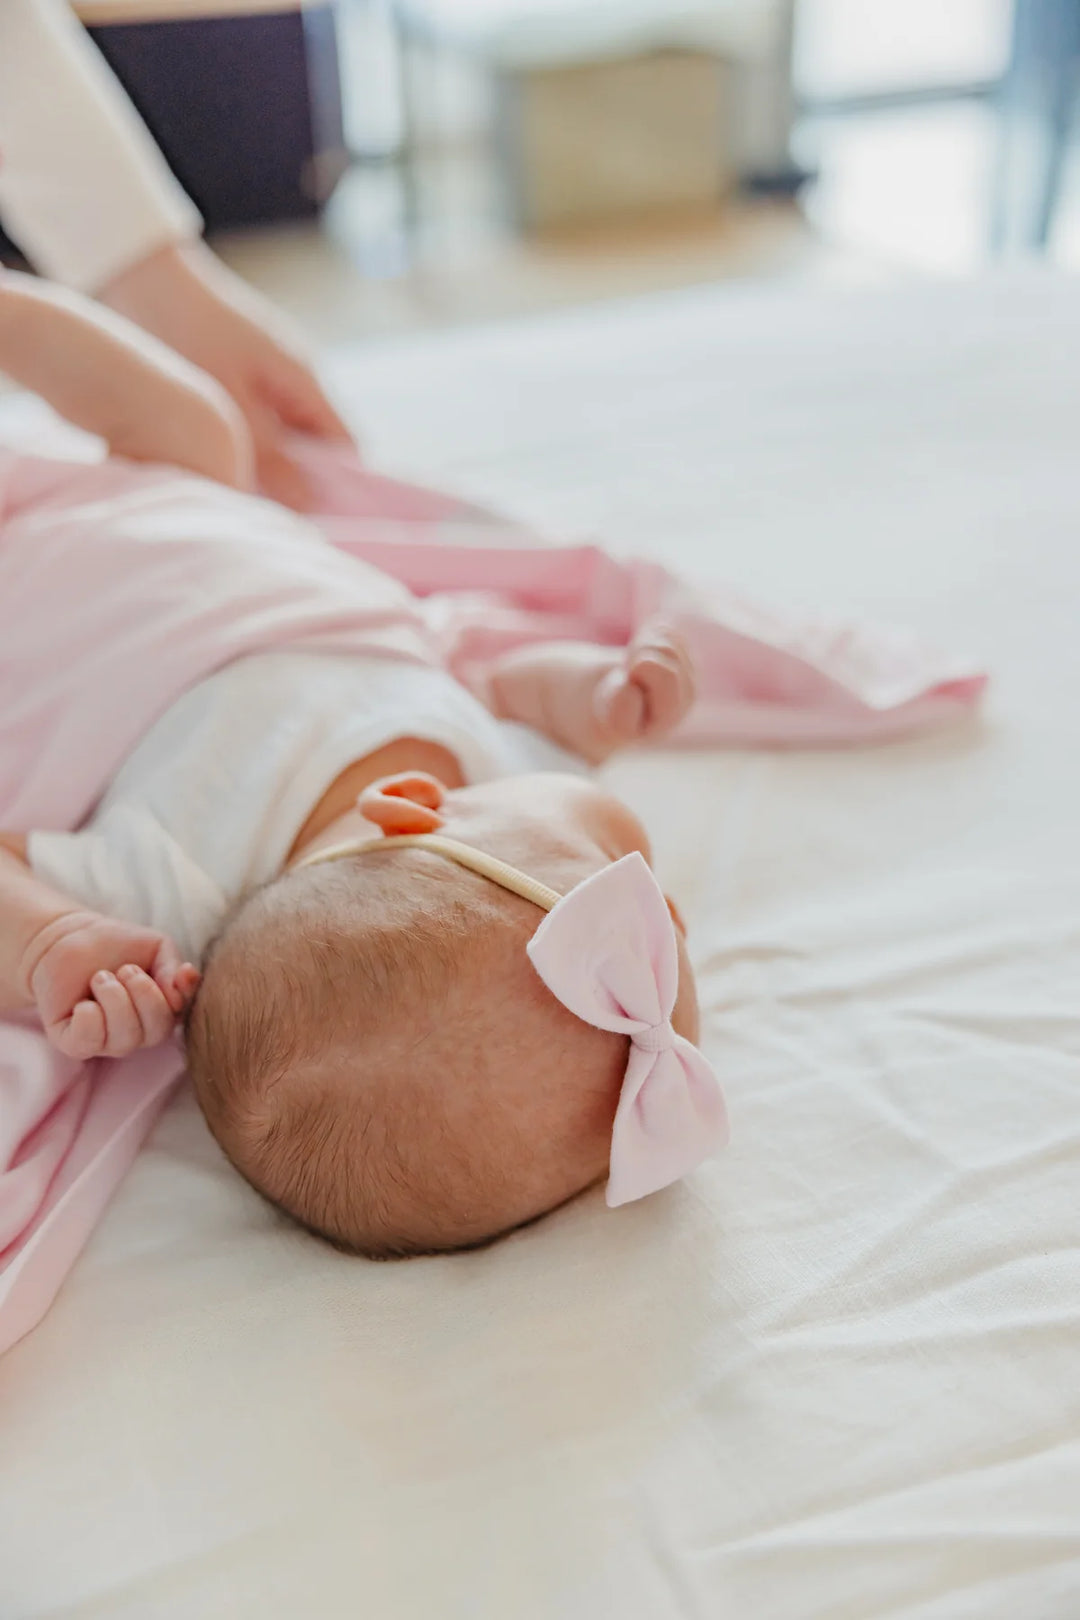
{"type": "Point", "coordinates": [189, 299]}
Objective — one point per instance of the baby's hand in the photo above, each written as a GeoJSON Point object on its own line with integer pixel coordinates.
{"type": "Point", "coordinates": [105, 988]}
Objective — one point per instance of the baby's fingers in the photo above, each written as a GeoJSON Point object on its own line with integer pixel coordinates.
{"type": "Point", "coordinates": [153, 1011]}
{"type": "Point", "coordinates": [176, 980]}
{"type": "Point", "coordinates": [128, 1011]}
{"type": "Point", "coordinates": [123, 1031]}
{"type": "Point", "coordinates": [186, 981]}
{"type": "Point", "coordinates": [83, 1034]}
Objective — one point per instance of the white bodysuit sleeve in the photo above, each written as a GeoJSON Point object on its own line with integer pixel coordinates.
{"type": "Point", "coordinates": [126, 865]}
{"type": "Point", "coordinates": [83, 188]}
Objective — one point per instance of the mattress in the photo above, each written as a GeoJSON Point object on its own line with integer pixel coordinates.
{"type": "Point", "coordinates": [837, 1372]}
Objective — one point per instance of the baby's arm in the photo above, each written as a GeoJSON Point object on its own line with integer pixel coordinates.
{"type": "Point", "coordinates": [102, 987]}
{"type": "Point", "coordinates": [108, 377]}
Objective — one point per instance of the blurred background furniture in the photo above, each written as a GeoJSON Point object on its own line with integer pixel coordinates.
{"type": "Point", "coordinates": [242, 96]}
{"type": "Point", "coordinates": [1038, 100]}
{"type": "Point", "coordinates": [895, 109]}
{"type": "Point", "coordinates": [622, 106]}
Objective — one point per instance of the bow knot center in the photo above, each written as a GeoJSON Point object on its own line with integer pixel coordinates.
{"type": "Point", "coordinates": [657, 1038]}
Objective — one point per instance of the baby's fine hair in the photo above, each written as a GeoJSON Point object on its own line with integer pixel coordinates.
{"type": "Point", "coordinates": [375, 1054]}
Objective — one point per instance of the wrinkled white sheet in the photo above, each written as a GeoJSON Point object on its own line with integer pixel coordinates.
{"type": "Point", "coordinates": [836, 1374]}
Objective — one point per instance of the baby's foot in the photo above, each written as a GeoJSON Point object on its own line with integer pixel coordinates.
{"type": "Point", "coordinates": [594, 700]}
{"type": "Point", "coordinates": [646, 692]}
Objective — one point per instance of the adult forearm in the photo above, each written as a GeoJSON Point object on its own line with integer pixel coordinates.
{"type": "Point", "coordinates": [42, 329]}
{"type": "Point", "coordinates": [114, 380]}
{"type": "Point", "coordinates": [76, 355]}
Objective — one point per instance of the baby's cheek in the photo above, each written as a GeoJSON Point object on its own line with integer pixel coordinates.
{"type": "Point", "coordinates": [685, 1019]}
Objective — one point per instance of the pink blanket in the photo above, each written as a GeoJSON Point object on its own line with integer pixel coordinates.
{"type": "Point", "coordinates": [105, 620]}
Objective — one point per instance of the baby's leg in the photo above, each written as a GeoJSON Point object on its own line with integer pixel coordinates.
{"type": "Point", "coordinates": [594, 700]}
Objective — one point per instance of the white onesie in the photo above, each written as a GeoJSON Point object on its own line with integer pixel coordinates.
{"type": "Point", "coordinates": [208, 804]}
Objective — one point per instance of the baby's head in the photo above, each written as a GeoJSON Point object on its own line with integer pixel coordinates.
{"type": "Point", "coordinates": [373, 1047]}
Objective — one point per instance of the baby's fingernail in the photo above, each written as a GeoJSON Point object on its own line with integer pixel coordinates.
{"type": "Point", "coordinates": [103, 977]}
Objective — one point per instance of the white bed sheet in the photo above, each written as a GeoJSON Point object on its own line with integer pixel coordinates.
{"type": "Point", "coordinates": [837, 1373]}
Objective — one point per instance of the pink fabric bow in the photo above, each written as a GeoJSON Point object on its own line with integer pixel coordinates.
{"type": "Point", "coordinates": [608, 952]}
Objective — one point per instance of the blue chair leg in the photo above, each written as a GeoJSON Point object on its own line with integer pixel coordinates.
{"type": "Point", "coordinates": [1036, 109]}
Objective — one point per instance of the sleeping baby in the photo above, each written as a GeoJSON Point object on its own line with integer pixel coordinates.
{"type": "Point", "coordinates": [429, 986]}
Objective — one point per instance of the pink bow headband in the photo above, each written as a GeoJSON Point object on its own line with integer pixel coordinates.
{"type": "Point", "coordinates": [608, 952]}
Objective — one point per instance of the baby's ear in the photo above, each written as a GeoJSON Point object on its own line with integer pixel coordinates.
{"type": "Point", "coordinates": [408, 803]}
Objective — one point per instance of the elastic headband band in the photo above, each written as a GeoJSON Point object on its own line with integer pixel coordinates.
{"type": "Point", "coordinates": [477, 860]}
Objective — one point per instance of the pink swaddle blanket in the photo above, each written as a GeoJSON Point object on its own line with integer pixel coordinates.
{"type": "Point", "coordinates": [104, 621]}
